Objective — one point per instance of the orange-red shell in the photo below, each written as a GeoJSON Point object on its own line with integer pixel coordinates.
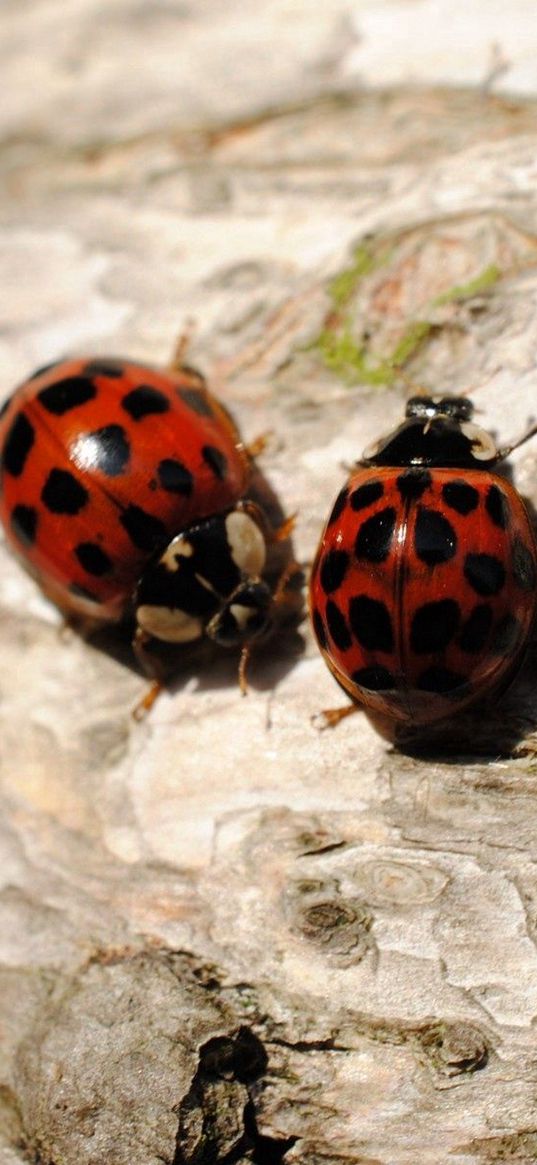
{"type": "Point", "coordinates": [103, 461]}
{"type": "Point", "coordinates": [423, 590]}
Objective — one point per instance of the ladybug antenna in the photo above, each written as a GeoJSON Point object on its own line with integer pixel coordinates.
{"type": "Point", "coordinates": [182, 345]}
{"type": "Point", "coordinates": [411, 385]}
{"type": "Point", "coordinates": [508, 449]}
{"type": "Point", "coordinates": [418, 391]}
{"type": "Point", "coordinates": [477, 387]}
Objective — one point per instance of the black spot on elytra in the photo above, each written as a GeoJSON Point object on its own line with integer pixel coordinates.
{"type": "Point", "coordinates": [67, 394]}
{"type": "Point", "coordinates": [216, 460]}
{"type": "Point", "coordinates": [366, 495]}
{"type": "Point", "coordinates": [145, 531]}
{"type": "Point", "coordinates": [370, 623]}
{"type": "Point", "coordinates": [460, 496]}
{"type": "Point", "coordinates": [18, 444]}
{"type": "Point", "coordinates": [106, 449]}
{"type": "Point", "coordinates": [337, 626]}
{"type": "Point", "coordinates": [24, 521]}
{"type": "Point", "coordinates": [476, 628]}
{"type": "Point", "coordinates": [413, 483]}
{"type": "Point", "coordinates": [497, 507]}
{"type": "Point", "coordinates": [62, 493]}
{"type": "Point", "coordinates": [507, 635]}
{"type": "Point", "coordinates": [197, 400]}
{"type": "Point", "coordinates": [174, 477]}
{"type": "Point", "coordinates": [112, 369]}
{"type": "Point", "coordinates": [435, 539]}
{"type": "Point", "coordinates": [44, 368]}
{"type": "Point", "coordinates": [339, 506]}
{"type": "Point", "coordinates": [485, 573]}
{"type": "Point", "coordinates": [434, 625]}
{"type": "Point", "coordinates": [523, 566]}
{"type": "Point", "coordinates": [375, 679]}
{"type": "Point", "coordinates": [440, 680]}
{"type": "Point", "coordinates": [93, 558]}
{"type": "Point", "coordinates": [145, 401]}
{"type": "Point", "coordinates": [333, 569]}
{"type": "Point", "coordinates": [374, 537]}
{"type": "Point", "coordinates": [319, 628]}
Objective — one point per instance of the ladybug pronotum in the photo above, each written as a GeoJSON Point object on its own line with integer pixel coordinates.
{"type": "Point", "coordinates": [124, 494]}
{"type": "Point", "coordinates": [423, 589]}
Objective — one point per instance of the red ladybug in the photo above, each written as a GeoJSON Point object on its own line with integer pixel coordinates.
{"type": "Point", "coordinates": [423, 590]}
{"type": "Point", "coordinates": [123, 492]}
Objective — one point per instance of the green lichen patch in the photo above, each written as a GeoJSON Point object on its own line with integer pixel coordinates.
{"type": "Point", "coordinates": [350, 353]}
{"type": "Point", "coordinates": [481, 283]}
{"type": "Point", "coordinates": [367, 257]}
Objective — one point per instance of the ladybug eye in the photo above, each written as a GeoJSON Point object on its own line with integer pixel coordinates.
{"type": "Point", "coordinates": [458, 407]}
{"type": "Point", "coordinates": [420, 406]}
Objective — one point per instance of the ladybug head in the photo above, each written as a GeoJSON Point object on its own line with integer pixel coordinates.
{"type": "Point", "coordinates": [208, 582]}
{"type": "Point", "coordinates": [244, 616]}
{"type": "Point", "coordinates": [459, 408]}
{"type": "Point", "coordinates": [437, 431]}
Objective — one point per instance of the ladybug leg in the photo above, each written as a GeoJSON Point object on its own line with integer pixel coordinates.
{"type": "Point", "coordinates": [506, 452]}
{"type": "Point", "coordinates": [243, 664]}
{"type": "Point", "coordinates": [152, 668]}
{"type": "Point", "coordinates": [259, 444]}
{"type": "Point", "coordinates": [282, 532]}
{"type": "Point", "coordinates": [288, 590]}
{"type": "Point", "coordinates": [286, 594]}
{"type": "Point", "coordinates": [141, 709]}
{"type": "Point", "coordinates": [178, 364]}
{"type": "Point", "coordinates": [76, 624]}
{"type": "Point", "coordinates": [330, 717]}
{"type": "Point", "coordinates": [182, 344]}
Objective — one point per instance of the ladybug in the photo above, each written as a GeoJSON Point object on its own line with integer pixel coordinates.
{"type": "Point", "coordinates": [423, 589]}
{"type": "Point", "coordinates": [123, 492]}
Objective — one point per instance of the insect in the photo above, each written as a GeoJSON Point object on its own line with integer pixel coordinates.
{"type": "Point", "coordinates": [123, 493]}
{"type": "Point", "coordinates": [423, 589]}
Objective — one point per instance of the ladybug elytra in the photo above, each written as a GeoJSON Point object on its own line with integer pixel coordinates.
{"type": "Point", "coordinates": [423, 589]}
{"type": "Point", "coordinates": [123, 493]}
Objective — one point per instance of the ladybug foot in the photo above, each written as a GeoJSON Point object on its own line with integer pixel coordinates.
{"type": "Point", "coordinates": [284, 531]}
{"type": "Point", "coordinates": [144, 706]}
{"type": "Point", "coordinates": [288, 592]}
{"type": "Point", "coordinates": [78, 625]}
{"type": "Point", "coordinates": [330, 717]}
{"type": "Point", "coordinates": [259, 444]}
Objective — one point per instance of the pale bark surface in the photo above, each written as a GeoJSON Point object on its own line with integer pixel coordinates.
{"type": "Point", "coordinates": [225, 936]}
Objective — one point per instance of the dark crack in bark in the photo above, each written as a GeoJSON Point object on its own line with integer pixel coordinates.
{"type": "Point", "coordinates": [217, 1119]}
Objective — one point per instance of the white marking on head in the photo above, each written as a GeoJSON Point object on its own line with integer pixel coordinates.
{"type": "Point", "coordinates": [179, 547]}
{"type": "Point", "coordinates": [169, 624]}
{"type": "Point", "coordinates": [241, 615]}
{"type": "Point", "coordinates": [373, 449]}
{"type": "Point", "coordinates": [246, 543]}
{"type": "Point", "coordinates": [483, 446]}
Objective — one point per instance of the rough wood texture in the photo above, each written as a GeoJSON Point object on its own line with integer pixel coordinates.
{"type": "Point", "coordinates": [225, 936]}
